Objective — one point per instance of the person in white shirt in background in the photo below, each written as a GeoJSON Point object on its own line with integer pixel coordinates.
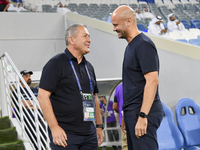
{"type": "Point", "coordinates": [156, 26]}
{"type": "Point", "coordinates": [62, 9]}
{"type": "Point", "coordinates": [147, 14]}
{"type": "Point", "coordinates": [18, 8]}
{"type": "Point", "coordinates": [173, 24]}
{"type": "Point", "coordinates": [138, 14]}
{"type": "Point", "coordinates": [11, 7]}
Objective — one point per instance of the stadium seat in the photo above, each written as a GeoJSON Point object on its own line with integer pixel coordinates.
{"type": "Point", "coordinates": [193, 21]}
{"type": "Point", "coordinates": [194, 42]}
{"type": "Point", "coordinates": [168, 135]}
{"type": "Point", "coordinates": [175, 35]}
{"type": "Point", "coordinates": [188, 121]}
{"type": "Point", "coordinates": [187, 25]}
{"type": "Point", "coordinates": [188, 35]}
{"type": "Point", "coordinates": [197, 25]}
{"type": "Point", "coordinates": [182, 40]}
{"type": "Point", "coordinates": [141, 26]}
{"type": "Point", "coordinates": [45, 8]}
{"type": "Point", "coordinates": [195, 31]}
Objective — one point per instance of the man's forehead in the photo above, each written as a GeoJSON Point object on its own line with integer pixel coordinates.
{"type": "Point", "coordinates": [83, 30]}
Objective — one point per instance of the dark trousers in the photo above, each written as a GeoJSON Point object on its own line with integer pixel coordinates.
{"type": "Point", "coordinates": [2, 6]}
{"type": "Point", "coordinates": [147, 141]}
{"type": "Point", "coordinates": [77, 142]}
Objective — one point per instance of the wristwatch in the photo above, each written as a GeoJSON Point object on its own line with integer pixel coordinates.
{"type": "Point", "coordinates": [143, 115]}
{"type": "Point", "coordinates": [100, 126]}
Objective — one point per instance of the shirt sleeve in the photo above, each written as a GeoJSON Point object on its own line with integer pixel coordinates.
{"type": "Point", "coordinates": [115, 100]}
{"type": "Point", "coordinates": [50, 76]}
{"type": "Point", "coordinates": [116, 95]}
{"type": "Point", "coordinates": [147, 57]}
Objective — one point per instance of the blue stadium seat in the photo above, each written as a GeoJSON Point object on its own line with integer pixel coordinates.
{"type": "Point", "coordinates": [186, 25]}
{"type": "Point", "coordinates": [188, 121]}
{"type": "Point", "coordinates": [184, 21]}
{"type": "Point", "coordinates": [193, 21]}
{"type": "Point", "coordinates": [197, 25]}
{"type": "Point", "coordinates": [168, 135]}
{"type": "Point", "coordinates": [182, 40]}
{"type": "Point", "coordinates": [194, 41]}
{"type": "Point", "coordinates": [141, 26]}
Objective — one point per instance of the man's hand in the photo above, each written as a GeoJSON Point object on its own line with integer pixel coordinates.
{"type": "Point", "coordinates": [163, 30]}
{"type": "Point", "coordinates": [141, 127]}
{"type": "Point", "coordinates": [123, 127]}
{"type": "Point", "coordinates": [100, 136]}
{"type": "Point", "coordinates": [178, 22]}
{"type": "Point", "coordinates": [59, 136]}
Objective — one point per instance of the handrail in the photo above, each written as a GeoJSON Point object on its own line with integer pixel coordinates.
{"type": "Point", "coordinates": [15, 100]}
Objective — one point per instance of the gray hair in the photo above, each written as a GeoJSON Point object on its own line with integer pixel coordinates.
{"type": "Point", "coordinates": [72, 31]}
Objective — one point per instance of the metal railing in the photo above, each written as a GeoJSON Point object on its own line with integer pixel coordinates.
{"type": "Point", "coordinates": [33, 126]}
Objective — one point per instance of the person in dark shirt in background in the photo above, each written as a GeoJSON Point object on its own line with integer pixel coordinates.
{"type": "Point", "coordinates": [4, 4]}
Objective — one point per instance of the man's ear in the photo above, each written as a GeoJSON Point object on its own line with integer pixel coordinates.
{"type": "Point", "coordinates": [128, 22]}
{"type": "Point", "coordinates": [71, 40]}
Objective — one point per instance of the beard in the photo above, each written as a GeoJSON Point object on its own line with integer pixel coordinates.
{"type": "Point", "coordinates": [121, 35]}
{"type": "Point", "coordinates": [29, 82]}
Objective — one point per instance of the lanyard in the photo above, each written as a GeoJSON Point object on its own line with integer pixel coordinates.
{"type": "Point", "coordinates": [77, 79]}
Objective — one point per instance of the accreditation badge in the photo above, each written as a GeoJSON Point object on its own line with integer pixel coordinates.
{"type": "Point", "coordinates": [88, 107]}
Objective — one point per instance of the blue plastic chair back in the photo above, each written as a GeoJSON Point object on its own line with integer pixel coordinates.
{"type": "Point", "coordinates": [186, 25]}
{"type": "Point", "coordinates": [182, 40]}
{"type": "Point", "coordinates": [141, 27]}
{"type": "Point", "coordinates": [188, 121]}
{"type": "Point", "coordinates": [197, 25]}
{"type": "Point", "coordinates": [194, 42]}
{"type": "Point", "coordinates": [168, 135]}
{"type": "Point", "coordinates": [193, 21]}
{"type": "Point", "coordinates": [184, 21]}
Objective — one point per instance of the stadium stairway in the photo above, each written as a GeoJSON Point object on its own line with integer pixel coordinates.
{"type": "Point", "coordinates": [8, 136]}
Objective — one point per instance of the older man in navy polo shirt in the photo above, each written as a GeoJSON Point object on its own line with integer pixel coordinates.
{"type": "Point", "coordinates": [67, 95]}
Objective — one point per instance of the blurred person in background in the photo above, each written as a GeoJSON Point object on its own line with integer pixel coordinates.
{"type": "Point", "coordinates": [138, 14]}
{"type": "Point", "coordinates": [62, 9]}
{"type": "Point", "coordinates": [117, 106]}
{"type": "Point", "coordinates": [173, 24]}
{"type": "Point", "coordinates": [156, 26]}
{"type": "Point", "coordinates": [147, 14]}
{"type": "Point", "coordinates": [4, 4]}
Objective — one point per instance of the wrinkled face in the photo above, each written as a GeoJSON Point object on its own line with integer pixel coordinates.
{"type": "Point", "coordinates": [158, 22]}
{"type": "Point", "coordinates": [82, 40]}
{"type": "Point", "coordinates": [27, 78]}
{"type": "Point", "coordinates": [172, 18]}
{"type": "Point", "coordinates": [119, 26]}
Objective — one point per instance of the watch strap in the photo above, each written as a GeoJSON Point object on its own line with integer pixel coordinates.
{"type": "Point", "coordinates": [100, 126]}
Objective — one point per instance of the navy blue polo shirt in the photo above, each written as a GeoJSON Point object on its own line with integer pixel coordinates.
{"type": "Point", "coordinates": [58, 78]}
{"type": "Point", "coordinates": [23, 91]}
{"type": "Point", "coordinates": [140, 57]}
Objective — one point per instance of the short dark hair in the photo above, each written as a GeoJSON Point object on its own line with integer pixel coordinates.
{"type": "Point", "coordinates": [102, 97]}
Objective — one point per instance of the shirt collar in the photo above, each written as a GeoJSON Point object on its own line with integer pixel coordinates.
{"type": "Point", "coordinates": [71, 57]}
